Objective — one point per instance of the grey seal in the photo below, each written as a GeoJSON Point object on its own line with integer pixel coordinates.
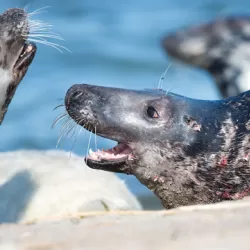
{"type": "Point", "coordinates": [187, 151]}
{"type": "Point", "coordinates": [220, 47]}
{"type": "Point", "coordinates": [16, 54]}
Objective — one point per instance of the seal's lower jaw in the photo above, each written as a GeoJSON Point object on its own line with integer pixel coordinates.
{"type": "Point", "coordinates": [24, 60]}
{"type": "Point", "coordinates": [111, 159]}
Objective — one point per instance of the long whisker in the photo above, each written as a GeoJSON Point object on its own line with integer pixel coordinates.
{"type": "Point", "coordinates": [63, 131]}
{"type": "Point", "coordinates": [64, 134]}
{"type": "Point", "coordinates": [161, 81]}
{"type": "Point", "coordinates": [71, 129]}
{"type": "Point", "coordinates": [88, 145]}
{"type": "Point", "coordinates": [66, 121]}
{"type": "Point", "coordinates": [26, 7]}
{"type": "Point", "coordinates": [95, 140]}
{"type": "Point", "coordinates": [47, 35]}
{"type": "Point", "coordinates": [80, 130]}
{"type": "Point", "coordinates": [38, 25]}
{"type": "Point", "coordinates": [67, 125]}
{"type": "Point", "coordinates": [58, 119]}
{"type": "Point", "coordinates": [40, 31]}
{"type": "Point", "coordinates": [60, 105]}
{"type": "Point", "coordinates": [53, 45]}
{"type": "Point", "coordinates": [38, 11]}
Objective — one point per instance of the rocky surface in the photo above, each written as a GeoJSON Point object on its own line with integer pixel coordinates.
{"type": "Point", "coordinates": [220, 226]}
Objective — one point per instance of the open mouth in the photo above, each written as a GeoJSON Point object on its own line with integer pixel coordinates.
{"type": "Point", "coordinates": [26, 56]}
{"type": "Point", "coordinates": [120, 153]}
{"type": "Point", "coordinates": [19, 70]}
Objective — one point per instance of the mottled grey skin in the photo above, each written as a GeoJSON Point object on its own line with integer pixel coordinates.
{"type": "Point", "coordinates": [195, 152]}
{"type": "Point", "coordinates": [16, 54]}
{"type": "Point", "coordinates": [221, 47]}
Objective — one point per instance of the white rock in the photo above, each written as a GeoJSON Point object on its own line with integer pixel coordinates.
{"type": "Point", "coordinates": [38, 184]}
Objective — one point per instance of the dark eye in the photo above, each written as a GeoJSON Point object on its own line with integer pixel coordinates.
{"type": "Point", "coordinates": [152, 113]}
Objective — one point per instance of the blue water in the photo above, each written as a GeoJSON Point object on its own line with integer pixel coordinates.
{"type": "Point", "coordinates": [113, 43]}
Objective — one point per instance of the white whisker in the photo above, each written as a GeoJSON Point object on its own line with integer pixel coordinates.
{"type": "Point", "coordinates": [38, 23]}
{"type": "Point", "coordinates": [39, 28]}
{"type": "Point", "coordinates": [88, 145]}
{"type": "Point", "coordinates": [71, 130]}
{"type": "Point", "coordinates": [161, 81]}
{"type": "Point", "coordinates": [38, 11]}
{"type": "Point", "coordinates": [38, 35]}
{"type": "Point", "coordinates": [26, 7]}
{"type": "Point", "coordinates": [47, 33]}
{"type": "Point", "coordinates": [65, 130]}
{"type": "Point", "coordinates": [40, 31]}
{"type": "Point", "coordinates": [58, 119]}
{"type": "Point", "coordinates": [66, 121]}
{"type": "Point", "coordinates": [53, 45]}
{"type": "Point", "coordinates": [80, 130]}
{"type": "Point", "coordinates": [95, 140]}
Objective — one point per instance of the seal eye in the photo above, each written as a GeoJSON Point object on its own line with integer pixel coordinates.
{"type": "Point", "coordinates": [152, 113]}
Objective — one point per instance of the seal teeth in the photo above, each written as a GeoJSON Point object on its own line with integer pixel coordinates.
{"type": "Point", "coordinates": [91, 153]}
{"type": "Point", "coordinates": [118, 152]}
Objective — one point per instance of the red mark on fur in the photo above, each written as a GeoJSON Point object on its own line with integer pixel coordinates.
{"type": "Point", "coordinates": [241, 195]}
{"type": "Point", "coordinates": [226, 195]}
{"type": "Point", "coordinates": [246, 157]}
{"type": "Point", "coordinates": [223, 162]}
{"type": "Point", "coordinates": [236, 196]}
{"type": "Point", "coordinates": [193, 124]}
{"type": "Point", "coordinates": [155, 178]}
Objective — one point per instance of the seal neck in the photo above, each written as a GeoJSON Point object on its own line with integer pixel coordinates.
{"type": "Point", "coordinates": [231, 76]}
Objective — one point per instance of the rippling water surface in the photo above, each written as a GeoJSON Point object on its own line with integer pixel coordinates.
{"type": "Point", "coordinates": [113, 43]}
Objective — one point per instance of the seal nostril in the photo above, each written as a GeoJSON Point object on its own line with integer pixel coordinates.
{"type": "Point", "coordinates": [77, 94]}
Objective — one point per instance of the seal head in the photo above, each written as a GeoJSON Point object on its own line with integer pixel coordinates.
{"type": "Point", "coordinates": [16, 54]}
{"type": "Point", "coordinates": [220, 47]}
{"type": "Point", "coordinates": [186, 151]}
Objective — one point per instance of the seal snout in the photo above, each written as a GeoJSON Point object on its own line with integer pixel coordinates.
{"type": "Point", "coordinates": [77, 95]}
{"type": "Point", "coordinates": [73, 94]}
{"type": "Point", "coordinates": [14, 25]}
{"type": "Point", "coordinates": [170, 42]}
{"type": "Point", "coordinates": [81, 103]}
